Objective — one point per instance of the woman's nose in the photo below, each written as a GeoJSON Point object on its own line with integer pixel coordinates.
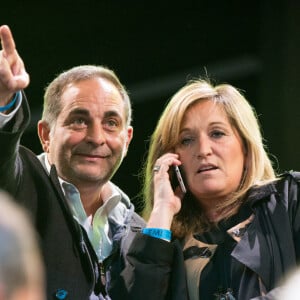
{"type": "Point", "coordinates": [204, 147]}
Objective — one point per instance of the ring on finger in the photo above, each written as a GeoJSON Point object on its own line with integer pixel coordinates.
{"type": "Point", "coordinates": [156, 168]}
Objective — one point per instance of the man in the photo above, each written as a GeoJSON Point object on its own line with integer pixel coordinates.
{"type": "Point", "coordinates": [85, 222]}
{"type": "Point", "coordinates": [21, 268]}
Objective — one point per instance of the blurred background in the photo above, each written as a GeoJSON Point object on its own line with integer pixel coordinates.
{"type": "Point", "coordinates": [155, 47]}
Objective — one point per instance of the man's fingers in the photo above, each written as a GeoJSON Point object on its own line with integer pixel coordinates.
{"type": "Point", "coordinates": [22, 81]}
{"type": "Point", "coordinates": [7, 41]}
{"type": "Point", "coordinates": [12, 82]}
{"type": "Point", "coordinates": [12, 70]}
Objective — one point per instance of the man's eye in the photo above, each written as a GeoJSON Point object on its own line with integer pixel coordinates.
{"type": "Point", "coordinates": [112, 123]}
{"type": "Point", "coordinates": [79, 121]}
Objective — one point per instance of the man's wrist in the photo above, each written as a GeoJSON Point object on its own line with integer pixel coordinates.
{"type": "Point", "coordinates": [10, 104]}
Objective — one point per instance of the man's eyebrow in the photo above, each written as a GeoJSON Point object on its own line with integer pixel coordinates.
{"type": "Point", "coordinates": [85, 112]}
{"type": "Point", "coordinates": [80, 111]}
{"type": "Point", "coordinates": [112, 113]}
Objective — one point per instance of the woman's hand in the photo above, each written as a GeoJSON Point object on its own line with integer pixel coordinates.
{"type": "Point", "coordinates": [13, 76]}
{"type": "Point", "coordinates": [167, 203]}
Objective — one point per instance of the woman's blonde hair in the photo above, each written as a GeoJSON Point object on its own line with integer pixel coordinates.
{"type": "Point", "coordinates": [242, 117]}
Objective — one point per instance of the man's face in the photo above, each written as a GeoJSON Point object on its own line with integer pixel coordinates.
{"type": "Point", "coordinates": [90, 137]}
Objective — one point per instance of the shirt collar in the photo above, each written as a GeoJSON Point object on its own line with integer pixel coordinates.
{"type": "Point", "coordinates": [110, 197]}
{"type": "Point", "coordinates": [97, 228]}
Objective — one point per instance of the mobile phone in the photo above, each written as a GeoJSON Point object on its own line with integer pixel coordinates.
{"type": "Point", "coordinates": [179, 179]}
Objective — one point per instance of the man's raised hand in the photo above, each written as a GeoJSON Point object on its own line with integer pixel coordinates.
{"type": "Point", "coordinates": [13, 76]}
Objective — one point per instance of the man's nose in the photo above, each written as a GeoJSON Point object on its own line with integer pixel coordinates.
{"type": "Point", "coordinates": [96, 134]}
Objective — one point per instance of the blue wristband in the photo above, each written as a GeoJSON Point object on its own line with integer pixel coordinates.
{"type": "Point", "coordinates": [159, 233]}
{"type": "Point", "coordinates": [10, 104]}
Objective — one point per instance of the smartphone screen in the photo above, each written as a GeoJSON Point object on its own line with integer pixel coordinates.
{"type": "Point", "coordinates": [179, 179]}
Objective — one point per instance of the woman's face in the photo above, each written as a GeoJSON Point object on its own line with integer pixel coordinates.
{"type": "Point", "coordinates": [211, 152]}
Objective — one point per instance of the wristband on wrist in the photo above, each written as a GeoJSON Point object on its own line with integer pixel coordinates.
{"type": "Point", "coordinates": [10, 104]}
{"type": "Point", "coordinates": [159, 233]}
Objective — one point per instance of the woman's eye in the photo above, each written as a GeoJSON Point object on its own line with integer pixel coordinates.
{"type": "Point", "coordinates": [217, 134]}
{"type": "Point", "coordinates": [186, 141]}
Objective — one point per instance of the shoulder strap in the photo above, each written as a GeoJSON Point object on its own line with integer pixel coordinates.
{"type": "Point", "coordinates": [294, 174]}
{"type": "Point", "coordinates": [197, 255]}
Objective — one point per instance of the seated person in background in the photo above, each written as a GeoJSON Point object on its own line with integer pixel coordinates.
{"type": "Point", "coordinates": [21, 267]}
{"type": "Point", "coordinates": [235, 233]}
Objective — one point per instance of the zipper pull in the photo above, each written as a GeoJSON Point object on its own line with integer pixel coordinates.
{"type": "Point", "coordinates": [102, 274]}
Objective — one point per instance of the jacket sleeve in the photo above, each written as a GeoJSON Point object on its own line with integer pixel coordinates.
{"type": "Point", "coordinates": [10, 135]}
{"type": "Point", "coordinates": [149, 273]}
{"type": "Point", "coordinates": [292, 192]}
{"type": "Point", "coordinates": [292, 203]}
{"type": "Point", "coordinates": [272, 295]}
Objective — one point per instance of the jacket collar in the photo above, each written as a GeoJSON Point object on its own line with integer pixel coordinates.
{"type": "Point", "coordinates": [260, 192]}
{"type": "Point", "coordinates": [253, 250]}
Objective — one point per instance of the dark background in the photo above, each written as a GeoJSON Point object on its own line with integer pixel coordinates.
{"type": "Point", "coordinates": [155, 46]}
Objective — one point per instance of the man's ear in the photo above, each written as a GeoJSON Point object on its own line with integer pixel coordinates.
{"type": "Point", "coordinates": [129, 135]}
{"type": "Point", "coordinates": [128, 139]}
{"type": "Point", "coordinates": [44, 135]}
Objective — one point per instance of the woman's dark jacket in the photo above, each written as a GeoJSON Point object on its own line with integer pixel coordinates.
{"type": "Point", "coordinates": [270, 247]}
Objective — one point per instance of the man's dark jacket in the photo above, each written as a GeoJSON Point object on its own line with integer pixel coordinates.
{"type": "Point", "coordinates": [72, 271]}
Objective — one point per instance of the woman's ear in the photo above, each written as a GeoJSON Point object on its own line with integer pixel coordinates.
{"type": "Point", "coordinates": [44, 135]}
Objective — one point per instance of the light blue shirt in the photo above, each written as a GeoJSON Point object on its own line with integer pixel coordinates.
{"type": "Point", "coordinates": [97, 227]}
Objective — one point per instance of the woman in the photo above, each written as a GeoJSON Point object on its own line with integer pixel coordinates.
{"type": "Point", "coordinates": [235, 232]}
